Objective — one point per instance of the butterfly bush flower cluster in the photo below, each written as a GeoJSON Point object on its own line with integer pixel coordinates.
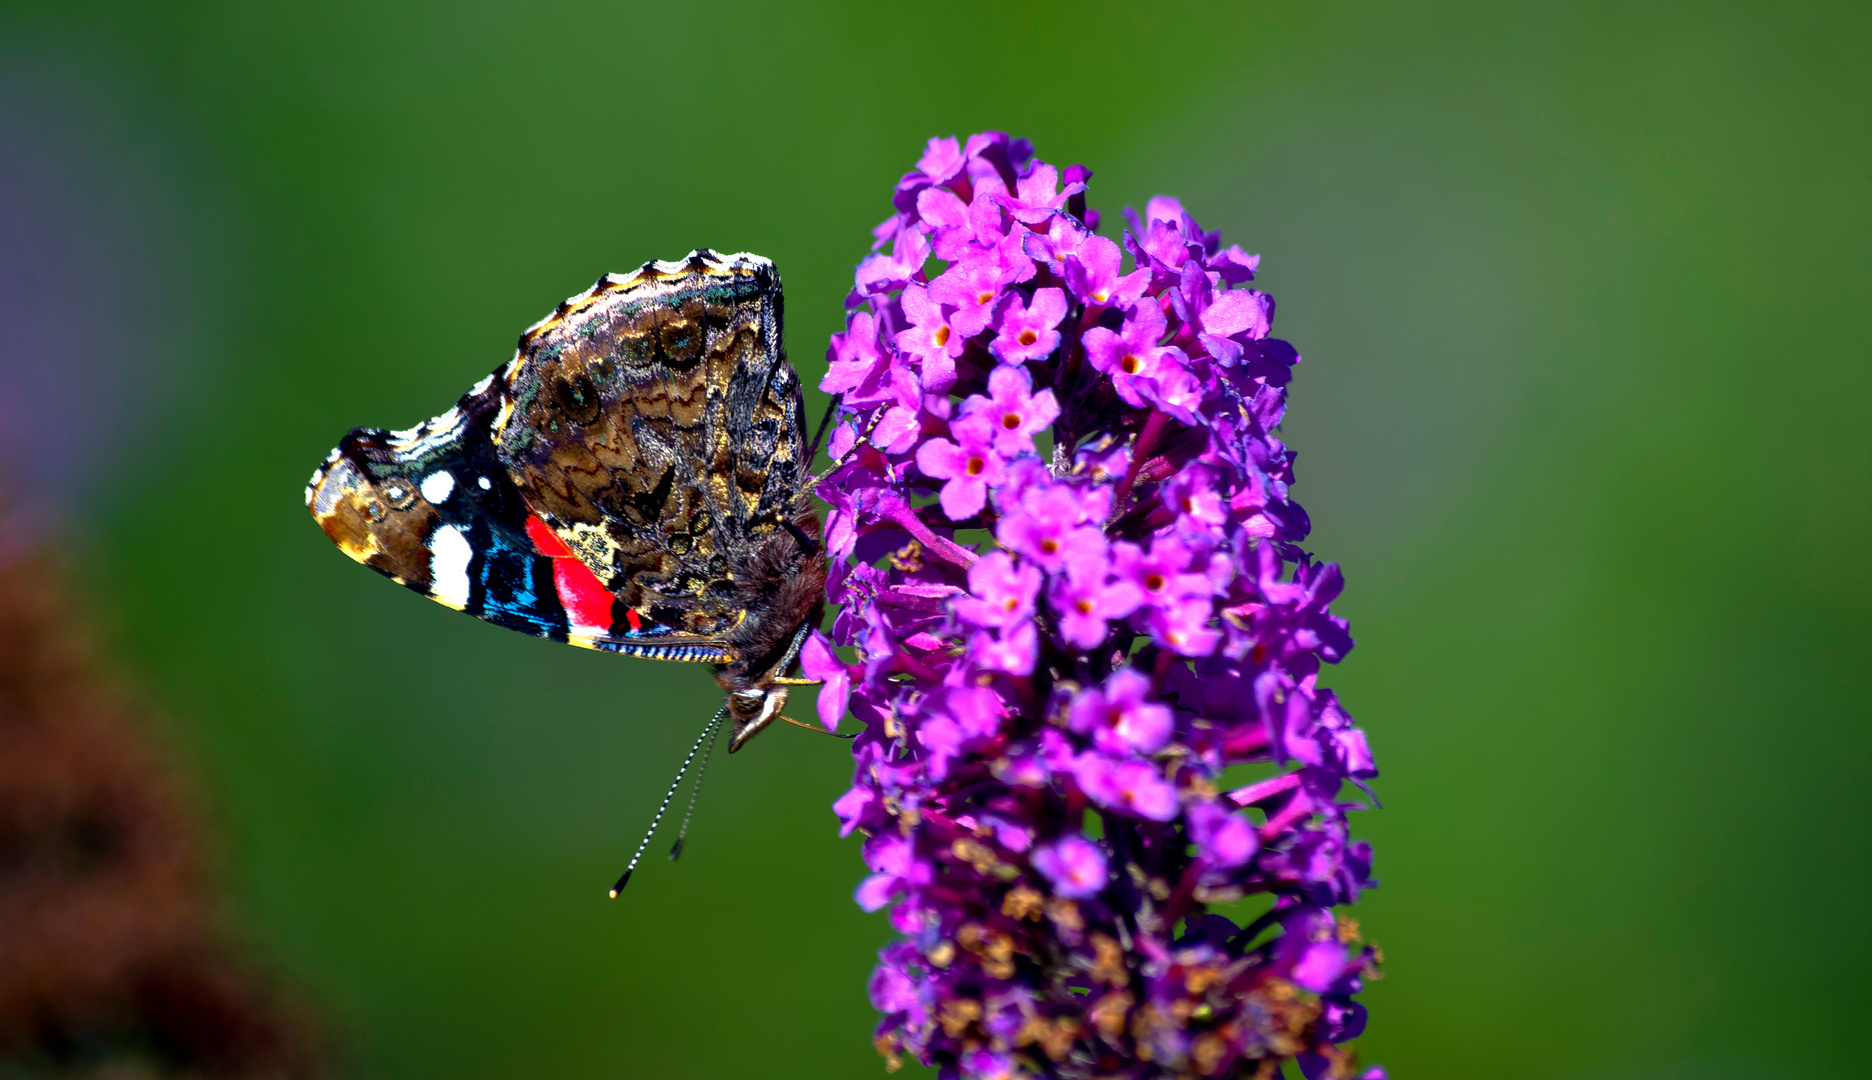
{"type": "Point", "coordinates": [1087, 645]}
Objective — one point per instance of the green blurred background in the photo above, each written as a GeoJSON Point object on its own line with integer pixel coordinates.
{"type": "Point", "coordinates": [1582, 295]}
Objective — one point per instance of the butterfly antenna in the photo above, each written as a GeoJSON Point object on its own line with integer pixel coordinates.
{"type": "Point", "coordinates": [707, 732]}
{"type": "Point", "coordinates": [714, 730]}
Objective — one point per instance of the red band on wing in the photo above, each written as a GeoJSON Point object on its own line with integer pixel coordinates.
{"type": "Point", "coordinates": [636, 620]}
{"type": "Point", "coordinates": [587, 602]}
{"type": "Point", "coordinates": [545, 541]}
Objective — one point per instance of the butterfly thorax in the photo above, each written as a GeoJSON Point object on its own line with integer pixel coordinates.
{"type": "Point", "coordinates": [784, 595]}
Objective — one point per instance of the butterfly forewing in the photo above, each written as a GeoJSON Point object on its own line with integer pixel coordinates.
{"type": "Point", "coordinates": [433, 509]}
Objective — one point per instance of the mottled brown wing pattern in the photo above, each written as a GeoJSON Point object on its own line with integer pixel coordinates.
{"type": "Point", "coordinates": [633, 480]}
{"type": "Point", "coordinates": [656, 427]}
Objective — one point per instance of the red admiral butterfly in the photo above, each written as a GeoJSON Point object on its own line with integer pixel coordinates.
{"type": "Point", "coordinates": [633, 480]}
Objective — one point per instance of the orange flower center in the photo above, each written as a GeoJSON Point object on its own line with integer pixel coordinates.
{"type": "Point", "coordinates": [1027, 337]}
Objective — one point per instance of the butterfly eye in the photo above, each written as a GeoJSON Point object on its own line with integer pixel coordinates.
{"type": "Point", "coordinates": [746, 704]}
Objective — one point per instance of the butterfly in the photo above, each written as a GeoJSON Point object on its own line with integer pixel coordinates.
{"type": "Point", "coordinates": [634, 480]}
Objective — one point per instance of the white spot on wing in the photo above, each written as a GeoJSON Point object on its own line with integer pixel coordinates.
{"type": "Point", "coordinates": [449, 554]}
{"type": "Point", "coordinates": [433, 435]}
{"type": "Point", "coordinates": [485, 483]}
{"type": "Point", "coordinates": [481, 387]}
{"type": "Point", "coordinates": [438, 486]}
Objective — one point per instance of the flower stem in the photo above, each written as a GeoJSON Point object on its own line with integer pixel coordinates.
{"type": "Point", "coordinates": [1141, 447]}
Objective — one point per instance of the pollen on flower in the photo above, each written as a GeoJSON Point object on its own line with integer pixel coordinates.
{"type": "Point", "coordinates": [1141, 618]}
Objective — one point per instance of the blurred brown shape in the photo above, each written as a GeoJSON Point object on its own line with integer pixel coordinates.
{"type": "Point", "coordinates": [112, 962]}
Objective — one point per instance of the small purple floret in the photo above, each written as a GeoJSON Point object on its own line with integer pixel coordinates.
{"type": "Point", "coordinates": [1075, 866]}
{"type": "Point", "coordinates": [971, 465]}
{"type": "Point", "coordinates": [1067, 564]}
{"type": "Point", "coordinates": [1029, 331]}
{"type": "Point", "coordinates": [1013, 412]}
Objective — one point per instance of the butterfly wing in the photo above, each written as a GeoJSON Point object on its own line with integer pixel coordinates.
{"type": "Point", "coordinates": [657, 428]}
{"type": "Point", "coordinates": [434, 509]}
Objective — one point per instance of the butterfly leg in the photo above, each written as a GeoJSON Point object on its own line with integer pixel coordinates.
{"type": "Point", "coordinates": [832, 409]}
{"type": "Point", "coordinates": [817, 729]}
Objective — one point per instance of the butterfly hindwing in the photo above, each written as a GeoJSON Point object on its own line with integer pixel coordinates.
{"type": "Point", "coordinates": [657, 428]}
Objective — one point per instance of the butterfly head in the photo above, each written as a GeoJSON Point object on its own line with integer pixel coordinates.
{"type": "Point", "coordinates": [751, 710]}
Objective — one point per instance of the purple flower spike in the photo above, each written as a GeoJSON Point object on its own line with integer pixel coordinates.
{"type": "Point", "coordinates": [1060, 654]}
